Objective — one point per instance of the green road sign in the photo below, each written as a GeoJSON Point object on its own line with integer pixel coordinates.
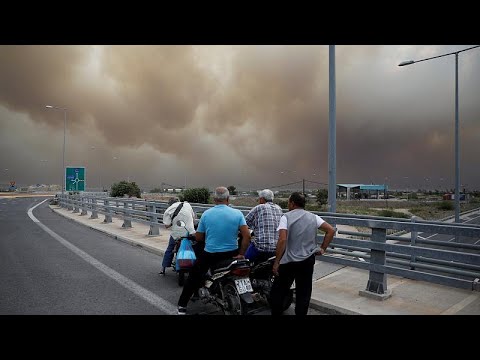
{"type": "Point", "coordinates": [75, 178]}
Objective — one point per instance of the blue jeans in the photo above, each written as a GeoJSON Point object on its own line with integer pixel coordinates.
{"type": "Point", "coordinates": [168, 256]}
{"type": "Point", "coordinates": [255, 255]}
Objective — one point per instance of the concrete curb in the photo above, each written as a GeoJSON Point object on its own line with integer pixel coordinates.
{"type": "Point", "coordinates": [330, 309]}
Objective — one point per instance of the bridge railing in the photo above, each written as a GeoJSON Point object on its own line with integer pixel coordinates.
{"type": "Point", "coordinates": [447, 263]}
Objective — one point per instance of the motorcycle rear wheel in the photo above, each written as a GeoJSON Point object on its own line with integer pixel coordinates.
{"type": "Point", "coordinates": [235, 304]}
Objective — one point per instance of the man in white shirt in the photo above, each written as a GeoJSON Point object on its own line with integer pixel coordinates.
{"type": "Point", "coordinates": [187, 215]}
{"type": "Point", "coordinates": [295, 254]}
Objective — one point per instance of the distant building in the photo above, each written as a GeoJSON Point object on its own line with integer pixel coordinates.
{"type": "Point", "coordinates": [361, 191]}
{"type": "Point", "coordinates": [449, 196]}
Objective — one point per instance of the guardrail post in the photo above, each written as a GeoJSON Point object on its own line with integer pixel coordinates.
{"type": "Point", "coordinates": [94, 209]}
{"type": "Point", "coordinates": [108, 212]}
{"type": "Point", "coordinates": [127, 221]}
{"type": "Point", "coordinates": [413, 240]}
{"type": "Point", "coordinates": [377, 282]}
{"type": "Point", "coordinates": [476, 285]}
{"type": "Point", "coordinates": [154, 226]}
{"type": "Point", "coordinates": [83, 204]}
{"type": "Point", "coordinates": [76, 207]}
{"type": "Point", "coordinates": [69, 202]}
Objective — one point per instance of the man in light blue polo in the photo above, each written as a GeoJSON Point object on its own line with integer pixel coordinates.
{"type": "Point", "coordinates": [219, 228]}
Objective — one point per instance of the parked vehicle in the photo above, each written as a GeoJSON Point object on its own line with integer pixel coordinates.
{"type": "Point", "coordinates": [262, 277]}
{"type": "Point", "coordinates": [227, 285]}
{"type": "Point", "coordinates": [183, 268]}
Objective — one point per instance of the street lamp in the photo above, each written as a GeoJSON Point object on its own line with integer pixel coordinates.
{"type": "Point", "coordinates": [64, 129]}
{"type": "Point", "coordinates": [457, 162]}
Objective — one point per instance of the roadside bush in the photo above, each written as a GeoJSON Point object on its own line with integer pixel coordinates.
{"type": "Point", "coordinates": [196, 195]}
{"type": "Point", "coordinates": [322, 196]}
{"type": "Point", "coordinates": [125, 188]}
{"type": "Point", "coordinates": [445, 205]}
{"type": "Point", "coordinates": [282, 203]}
{"type": "Point", "coordinates": [413, 196]}
{"type": "Point", "coordinates": [391, 213]}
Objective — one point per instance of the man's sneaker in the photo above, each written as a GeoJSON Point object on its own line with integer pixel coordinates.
{"type": "Point", "coordinates": [182, 310]}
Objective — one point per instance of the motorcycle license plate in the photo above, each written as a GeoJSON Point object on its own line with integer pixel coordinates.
{"type": "Point", "coordinates": [243, 285]}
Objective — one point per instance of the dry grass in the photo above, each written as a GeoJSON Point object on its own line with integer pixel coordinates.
{"type": "Point", "coordinates": [422, 209]}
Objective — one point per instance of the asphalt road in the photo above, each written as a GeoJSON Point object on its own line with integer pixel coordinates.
{"type": "Point", "coordinates": [79, 270]}
{"type": "Point", "coordinates": [472, 219]}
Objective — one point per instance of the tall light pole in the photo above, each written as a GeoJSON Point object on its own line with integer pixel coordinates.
{"type": "Point", "coordinates": [64, 130]}
{"type": "Point", "coordinates": [332, 133]}
{"type": "Point", "coordinates": [457, 160]}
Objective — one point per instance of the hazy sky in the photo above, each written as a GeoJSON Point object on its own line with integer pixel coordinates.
{"type": "Point", "coordinates": [237, 115]}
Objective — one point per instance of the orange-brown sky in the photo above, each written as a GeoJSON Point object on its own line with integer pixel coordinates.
{"type": "Point", "coordinates": [237, 115]}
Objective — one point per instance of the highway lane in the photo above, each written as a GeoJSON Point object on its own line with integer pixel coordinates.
{"type": "Point", "coordinates": [39, 274]}
{"type": "Point", "coordinates": [473, 218]}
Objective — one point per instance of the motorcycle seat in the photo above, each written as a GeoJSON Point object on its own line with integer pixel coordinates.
{"type": "Point", "coordinates": [222, 265]}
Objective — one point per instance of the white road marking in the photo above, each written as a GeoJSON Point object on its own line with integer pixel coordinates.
{"type": "Point", "coordinates": [428, 237]}
{"type": "Point", "coordinates": [422, 238]}
{"type": "Point", "coordinates": [472, 219]}
{"type": "Point", "coordinates": [137, 289]}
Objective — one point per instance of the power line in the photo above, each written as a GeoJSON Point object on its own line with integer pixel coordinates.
{"type": "Point", "coordinates": [315, 182]}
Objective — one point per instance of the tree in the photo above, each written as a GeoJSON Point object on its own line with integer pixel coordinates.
{"type": "Point", "coordinates": [322, 196]}
{"type": "Point", "coordinates": [196, 195]}
{"type": "Point", "coordinates": [125, 188]}
{"type": "Point", "coordinates": [282, 203]}
{"type": "Point", "coordinates": [232, 190]}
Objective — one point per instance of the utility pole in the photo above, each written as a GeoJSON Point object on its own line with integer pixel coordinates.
{"type": "Point", "coordinates": [303, 181]}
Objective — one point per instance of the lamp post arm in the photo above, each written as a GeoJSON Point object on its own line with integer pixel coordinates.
{"type": "Point", "coordinates": [455, 52]}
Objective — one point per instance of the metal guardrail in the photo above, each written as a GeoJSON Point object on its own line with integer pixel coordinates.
{"type": "Point", "coordinates": [381, 254]}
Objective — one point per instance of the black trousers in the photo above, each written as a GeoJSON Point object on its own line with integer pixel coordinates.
{"type": "Point", "coordinates": [302, 273]}
{"type": "Point", "coordinates": [199, 269]}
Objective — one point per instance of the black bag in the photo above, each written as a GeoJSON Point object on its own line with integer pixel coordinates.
{"type": "Point", "coordinates": [177, 210]}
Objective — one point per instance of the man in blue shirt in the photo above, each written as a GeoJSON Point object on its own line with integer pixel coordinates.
{"type": "Point", "coordinates": [219, 228]}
